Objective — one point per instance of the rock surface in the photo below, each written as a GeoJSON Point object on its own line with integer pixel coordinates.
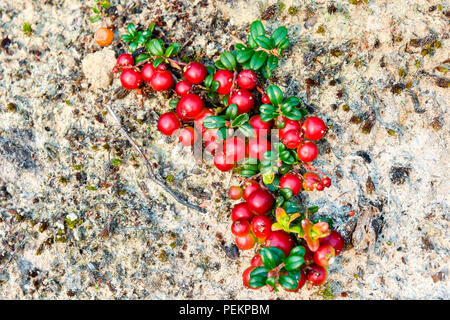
{"type": "Point", "coordinates": [372, 70]}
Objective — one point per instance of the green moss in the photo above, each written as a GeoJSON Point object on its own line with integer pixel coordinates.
{"type": "Point", "coordinates": [170, 178]}
{"type": "Point", "coordinates": [293, 10]}
{"type": "Point", "coordinates": [116, 162]}
{"type": "Point", "coordinates": [392, 132]}
{"type": "Point", "coordinates": [77, 167]}
{"type": "Point", "coordinates": [26, 28]}
{"type": "Point", "coordinates": [11, 107]}
{"type": "Point", "coordinates": [346, 108]}
{"type": "Point", "coordinates": [163, 256]}
{"type": "Point", "coordinates": [327, 293]}
{"type": "Point", "coordinates": [321, 29]}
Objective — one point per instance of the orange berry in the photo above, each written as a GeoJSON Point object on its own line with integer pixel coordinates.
{"type": "Point", "coordinates": [103, 37]}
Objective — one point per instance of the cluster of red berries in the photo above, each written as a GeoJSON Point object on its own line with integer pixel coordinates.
{"type": "Point", "coordinates": [314, 269]}
{"type": "Point", "coordinates": [252, 220]}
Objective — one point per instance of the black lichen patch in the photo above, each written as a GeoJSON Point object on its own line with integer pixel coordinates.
{"type": "Point", "coordinates": [399, 175]}
{"type": "Point", "coordinates": [363, 154]}
{"type": "Point", "coordinates": [232, 251]}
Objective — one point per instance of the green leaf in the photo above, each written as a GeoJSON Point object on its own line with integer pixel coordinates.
{"type": "Point", "coordinates": [239, 120]}
{"type": "Point", "coordinates": [251, 41]}
{"type": "Point", "coordinates": [140, 38]}
{"type": "Point", "coordinates": [284, 155]}
{"type": "Point", "coordinates": [150, 29]}
{"type": "Point", "coordinates": [278, 35]}
{"type": "Point", "coordinates": [291, 101]}
{"type": "Point", "coordinates": [172, 50]}
{"type": "Point", "coordinates": [247, 173]}
{"type": "Point", "coordinates": [232, 111]}
{"type": "Point", "coordinates": [268, 258]}
{"type": "Point", "coordinates": [228, 60]}
{"type": "Point", "coordinates": [208, 80]}
{"type": "Point", "coordinates": [222, 134]}
{"type": "Point", "coordinates": [244, 55]}
{"type": "Point", "coordinates": [256, 29]}
{"type": "Point", "coordinates": [283, 44]}
{"type": "Point", "coordinates": [173, 103]}
{"type": "Point", "coordinates": [133, 46]}
{"type": "Point", "coordinates": [279, 201]}
{"type": "Point", "coordinates": [156, 48]}
{"type": "Point", "coordinates": [286, 193]}
{"type": "Point", "coordinates": [213, 122]}
{"type": "Point", "coordinates": [264, 42]}
{"type": "Point", "coordinates": [291, 207]}
{"type": "Point", "coordinates": [271, 281]}
{"type": "Point", "coordinates": [259, 272]}
{"type": "Point", "coordinates": [266, 117]}
{"type": "Point", "coordinates": [95, 19]}
{"type": "Point", "coordinates": [127, 37]}
{"type": "Point", "coordinates": [141, 58]}
{"type": "Point", "coordinates": [293, 262]}
{"type": "Point", "coordinates": [275, 94]}
{"type": "Point", "coordinates": [131, 29]}
{"type": "Point", "coordinates": [257, 282]}
{"type": "Point", "coordinates": [288, 282]}
{"type": "Point", "coordinates": [278, 253]}
{"type": "Point", "coordinates": [215, 85]}
{"type": "Point", "coordinates": [258, 59]}
{"type": "Point", "coordinates": [266, 72]}
{"type": "Point", "coordinates": [157, 62]}
{"type": "Point", "coordinates": [268, 176]}
{"type": "Point", "coordinates": [247, 130]}
{"type": "Point", "coordinates": [313, 209]}
{"type": "Point", "coordinates": [326, 219]}
{"type": "Point", "coordinates": [239, 46]}
{"type": "Point", "coordinates": [211, 70]}
{"type": "Point", "coordinates": [299, 251]}
{"type": "Point", "coordinates": [293, 114]}
{"type": "Point", "coordinates": [272, 62]}
{"type": "Point", "coordinates": [105, 4]}
{"type": "Point", "coordinates": [285, 168]}
{"type": "Point", "coordinates": [267, 108]}
{"type": "Point", "coordinates": [219, 64]}
{"type": "Point", "coordinates": [95, 9]}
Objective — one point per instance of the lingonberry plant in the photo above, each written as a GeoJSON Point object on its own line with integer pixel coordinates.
{"type": "Point", "coordinates": [264, 136]}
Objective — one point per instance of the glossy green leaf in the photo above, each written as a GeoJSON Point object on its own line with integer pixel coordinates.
{"type": "Point", "coordinates": [131, 29]}
{"type": "Point", "coordinates": [150, 29]}
{"type": "Point", "coordinates": [232, 111]}
{"type": "Point", "coordinates": [133, 46]}
{"type": "Point", "coordinates": [172, 50]}
{"type": "Point", "coordinates": [279, 201]}
{"type": "Point", "coordinates": [127, 37]}
{"type": "Point", "coordinates": [286, 193]}
{"type": "Point", "coordinates": [256, 29]}
{"type": "Point", "coordinates": [271, 281]}
{"type": "Point", "coordinates": [267, 108]}
{"type": "Point", "coordinates": [264, 42]}
{"type": "Point", "coordinates": [157, 62]}
{"type": "Point", "coordinates": [272, 62]}
{"type": "Point", "coordinates": [293, 114]}
{"type": "Point", "coordinates": [239, 120]}
{"type": "Point", "coordinates": [244, 55]}
{"type": "Point", "coordinates": [156, 48]}
{"type": "Point", "coordinates": [257, 282]}
{"type": "Point", "coordinates": [240, 46]}
{"type": "Point", "coordinates": [266, 117]}
{"type": "Point", "coordinates": [326, 219]}
{"type": "Point", "coordinates": [291, 207]}
{"type": "Point", "coordinates": [275, 94]}
{"type": "Point", "coordinates": [278, 35]}
{"type": "Point", "coordinates": [247, 130]}
{"type": "Point", "coordinates": [283, 44]}
{"type": "Point", "coordinates": [288, 282]}
{"type": "Point", "coordinates": [173, 103]}
{"type": "Point", "coordinates": [259, 272]}
{"type": "Point", "coordinates": [98, 18]}
{"type": "Point", "coordinates": [140, 38]}
{"type": "Point", "coordinates": [141, 58]}
{"type": "Point", "coordinates": [213, 122]}
{"type": "Point", "coordinates": [247, 173]}
{"type": "Point", "coordinates": [293, 262]}
{"type": "Point", "coordinates": [215, 85]}
{"type": "Point", "coordinates": [219, 65]}
{"type": "Point", "coordinates": [266, 72]}
{"type": "Point", "coordinates": [298, 250]}
{"type": "Point", "coordinates": [228, 60]}
{"type": "Point", "coordinates": [313, 209]}
{"type": "Point", "coordinates": [208, 80]}
{"type": "Point", "coordinates": [258, 59]}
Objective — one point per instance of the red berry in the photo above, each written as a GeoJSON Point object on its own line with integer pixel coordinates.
{"type": "Point", "coordinates": [211, 147]}
{"type": "Point", "coordinates": [301, 282]}
{"type": "Point", "coordinates": [234, 147]}
{"type": "Point", "coordinates": [326, 182]}
{"type": "Point", "coordinates": [260, 127]}
{"type": "Point", "coordinates": [260, 202]}
{"type": "Point", "coordinates": [225, 79]}
{"type": "Point", "coordinates": [147, 72]}
{"type": "Point", "coordinates": [168, 123]}
{"type": "Point", "coordinates": [257, 261]}
{"type": "Point", "coordinates": [335, 240]}
{"type": "Point", "coordinates": [324, 256]}
{"type": "Point", "coordinates": [281, 240]}
{"type": "Point", "coordinates": [130, 79]}
{"type": "Point", "coordinates": [222, 162]}
{"type": "Point", "coordinates": [261, 227]}
{"type": "Point", "coordinates": [190, 106]}
{"type": "Point", "coordinates": [292, 139]}
{"type": "Point", "coordinates": [235, 193]}
{"type": "Point", "coordinates": [257, 147]}
{"type": "Point", "coordinates": [198, 123]}
{"type": "Point", "coordinates": [307, 152]}
{"type": "Point", "coordinates": [246, 278]}
{"type": "Point", "coordinates": [309, 255]}
{"type": "Point", "coordinates": [314, 128]}
{"type": "Point", "coordinates": [215, 134]}
{"type": "Point", "coordinates": [182, 88]}
{"type": "Point", "coordinates": [250, 187]}
{"type": "Point", "coordinates": [292, 182]}
{"type": "Point", "coordinates": [319, 187]}
{"type": "Point", "coordinates": [161, 80]}
{"type": "Point", "coordinates": [245, 242]}
{"type": "Point", "coordinates": [241, 212]}
{"type": "Point", "coordinates": [247, 79]}
{"type": "Point", "coordinates": [125, 59]}
{"type": "Point", "coordinates": [317, 275]}
{"type": "Point", "coordinates": [243, 99]}
{"type": "Point", "coordinates": [240, 228]}
{"type": "Point", "coordinates": [195, 72]}
{"type": "Point", "coordinates": [265, 99]}
{"type": "Point", "coordinates": [310, 180]}
{"type": "Point", "coordinates": [289, 125]}
{"type": "Point", "coordinates": [187, 136]}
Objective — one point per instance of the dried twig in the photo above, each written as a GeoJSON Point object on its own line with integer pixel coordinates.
{"type": "Point", "coordinates": [149, 167]}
